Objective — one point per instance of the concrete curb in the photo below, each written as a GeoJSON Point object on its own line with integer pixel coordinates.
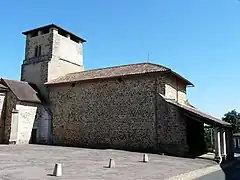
{"type": "Point", "coordinates": [196, 173]}
{"type": "Point", "coordinates": [201, 172]}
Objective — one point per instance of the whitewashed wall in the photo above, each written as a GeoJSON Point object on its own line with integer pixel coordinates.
{"type": "Point", "coordinates": [2, 98]}
{"type": "Point", "coordinates": [2, 101]}
{"type": "Point", "coordinates": [26, 117]}
{"type": "Point", "coordinates": [170, 92]}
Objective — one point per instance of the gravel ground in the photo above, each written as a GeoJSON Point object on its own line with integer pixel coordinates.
{"type": "Point", "coordinates": [37, 162]}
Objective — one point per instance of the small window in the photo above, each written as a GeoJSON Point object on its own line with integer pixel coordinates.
{"type": "Point", "coordinates": [45, 31]}
{"type": "Point", "coordinates": [120, 79]}
{"type": "Point", "coordinates": [34, 34]}
{"type": "Point", "coordinates": [39, 50]}
{"type": "Point", "coordinates": [36, 51]}
{"type": "Point", "coordinates": [73, 84]}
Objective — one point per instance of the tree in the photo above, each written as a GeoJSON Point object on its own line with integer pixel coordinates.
{"type": "Point", "coordinates": [233, 117]}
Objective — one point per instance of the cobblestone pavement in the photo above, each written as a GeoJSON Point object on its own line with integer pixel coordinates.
{"type": "Point", "coordinates": [37, 162]}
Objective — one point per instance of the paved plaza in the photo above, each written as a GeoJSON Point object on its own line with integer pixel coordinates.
{"type": "Point", "coordinates": [37, 162]}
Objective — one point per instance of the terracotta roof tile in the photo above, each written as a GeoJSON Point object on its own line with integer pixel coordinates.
{"type": "Point", "coordinates": [2, 87]}
{"type": "Point", "coordinates": [116, 71]}
{"type": "Point", "coordinates": [22, 90]}
{"type": "Point", "coordinates": [208, 118]}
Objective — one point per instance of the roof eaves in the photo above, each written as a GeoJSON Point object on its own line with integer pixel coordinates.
{"type": "Point", "coordinates": [212, 119]}
{"type": "Point", "coordinates": [56, 26]}
{"type": "Point", "coordinates": [3, 88]}
{"type": "Point", "coordinates": [6, 84]}
{"type": "Point", "coordinates": [181, 77]}
{"type": "Point", "coordinates": [96, 79]}
{"type": "Point", "coordinates": [18, 98]}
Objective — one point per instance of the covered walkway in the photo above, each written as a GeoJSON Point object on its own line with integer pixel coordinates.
{"type": "Point", "coordinates": [223, 146]}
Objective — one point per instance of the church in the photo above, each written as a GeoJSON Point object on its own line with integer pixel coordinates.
{"type": "Point", "coordinates": [139, 107]}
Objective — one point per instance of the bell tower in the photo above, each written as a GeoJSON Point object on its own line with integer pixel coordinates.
{"type": "Point", "coordinates": [51, 52]}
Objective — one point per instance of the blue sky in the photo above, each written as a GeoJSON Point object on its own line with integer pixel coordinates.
{"type": "Point", "coordinates": [198, 39]}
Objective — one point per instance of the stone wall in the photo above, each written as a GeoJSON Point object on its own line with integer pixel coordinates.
{"type": "Point", "coordinates": [43, 124]}
{"type": "Point", "coordinates": [36, 73]}
{"type": "Point", "coordinates": [29, 114]}
{"type": "Point", "coordinates": [171, 129]}
{"type": "Point", "coordinates": [126, 113]}
{"type": "Point", "coordinates": [25, 117]}
{"type": "Point", "coordinates": [11, 102]}
{"type": "Point", "coordinates": [33, 116]}
{"type": "Point", "coordinates": [45, 41]}
{"type": "Point", "coordinates": [59, 56]}
{"type": "Point", "coordinates": [116, 113]}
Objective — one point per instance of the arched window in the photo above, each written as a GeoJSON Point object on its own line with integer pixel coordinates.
{"type": "Point", "coordinates": [36, 51]}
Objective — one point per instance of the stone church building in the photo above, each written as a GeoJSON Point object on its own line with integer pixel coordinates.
{"type": "Point", "coordinates": [134, 107]}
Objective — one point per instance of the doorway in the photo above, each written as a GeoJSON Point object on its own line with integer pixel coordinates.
{"type": "Point", "coordinates": [195, 137]}
{"type": "Point", "coordinates": [33, 139]}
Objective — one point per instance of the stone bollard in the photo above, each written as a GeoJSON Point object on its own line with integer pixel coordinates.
{"type": "Point", "coordinates": [57, 170]}
{"type": "Point", "coordinates": [111, 163]}
{"type": "Point", "coordinates": [145, 158]}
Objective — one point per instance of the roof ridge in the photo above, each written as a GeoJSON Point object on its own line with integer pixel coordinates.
{"type": "Point", "coordinates": [113, 67]}
{"type": "Point", "coordinates": [119, 70]}
{"type": "Point", "coordinates": [14, 80]}
{"type": "Point", "coordinates": [22, 90]}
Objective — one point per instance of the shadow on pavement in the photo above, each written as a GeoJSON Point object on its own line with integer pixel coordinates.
{"type": "Point", "coordinates": [232, 172]}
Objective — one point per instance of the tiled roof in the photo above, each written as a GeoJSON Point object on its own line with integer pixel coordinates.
{"type": "Point", "coordinates": [22, 90]}
{"type": "Point", "coordinates": [115, 71]}
{"type": "Point", "coordinates": [208, 118]}
{"type": "Point", "coordinates": [2, 87]}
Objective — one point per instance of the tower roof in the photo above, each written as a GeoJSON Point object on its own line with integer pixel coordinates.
{"type": "Point", "coordinates": [44, 28]}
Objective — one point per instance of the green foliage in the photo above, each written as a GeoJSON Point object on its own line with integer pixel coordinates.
{"type": "Point", "coordinates": [208, 137]}
{"type": "Point", "coordinates": [233, 117]}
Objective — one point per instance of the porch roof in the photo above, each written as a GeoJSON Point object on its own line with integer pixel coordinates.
{"type": "Point", "coordinates": [22, 90]}
{"type": "Point", "coordinates": [2, 87]}
{"type": "Point", "coordinates": [206, 118]}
